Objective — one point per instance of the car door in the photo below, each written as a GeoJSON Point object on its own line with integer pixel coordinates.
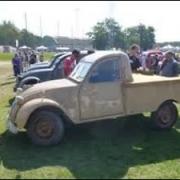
{"type": "Point", "coordinates": [100, 94]}
{"type": "Point", "coordinates": [58, 71]}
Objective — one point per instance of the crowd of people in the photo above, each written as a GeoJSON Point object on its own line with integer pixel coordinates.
{"type": "Point", "coordinates": [152, 63]}
{"type": "Point", "coordinates": [164, 64]}
{"type": "Point", "coordinates": [23, 59]}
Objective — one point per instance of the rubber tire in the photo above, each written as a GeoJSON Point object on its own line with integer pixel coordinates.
{"type": "Point", "coordinates": [156, 121]}
{"type": "Point", "coordinates": [57, 133]}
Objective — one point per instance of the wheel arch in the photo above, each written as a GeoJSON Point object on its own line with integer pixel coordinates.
{"type": "Point", "coordinates": [66, 120]}
{"type": "Point", "coordinates": [29, 79]}
{"type": "Point", "coordinates": [169, 101]}
{"type": "Point", "coordinates": [29, 108]}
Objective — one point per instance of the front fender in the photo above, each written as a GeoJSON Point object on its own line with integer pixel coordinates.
{"type": "Point", "coordinates": [29, 80]}
{"type": "Point", "coordinates": [28, 108]}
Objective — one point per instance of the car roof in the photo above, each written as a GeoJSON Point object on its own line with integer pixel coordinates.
{"type": "Point", "coordinates": [102, 54]}
{"type": "Point", "coordinates": [61, 54]}
{"type": "Point", "coordinates": [83, 52]}
{"type": "Point", "coordinates": [149, 52]}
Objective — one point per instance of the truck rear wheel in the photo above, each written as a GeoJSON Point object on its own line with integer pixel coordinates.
{"type": "Point", "coordinates": [165, 116]}
{"type": "Point", "coordinates": [45, 128]}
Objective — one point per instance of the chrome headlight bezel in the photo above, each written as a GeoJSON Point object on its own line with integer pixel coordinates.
{"type": "Point", "coordinates": [19, 100]}
{"type": "Point", "coordinates": [19, 91]}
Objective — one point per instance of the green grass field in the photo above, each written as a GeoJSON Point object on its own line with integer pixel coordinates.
{"type": "Point", "coordinates": [8, 56]}
{"type": "Point", "coordinates": [123, 148]}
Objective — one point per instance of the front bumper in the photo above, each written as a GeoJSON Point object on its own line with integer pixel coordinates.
{"type": "Point", "coordinates": [18, 80]}
{"type": "Point", "coordinates": [11, 127]}
{"type": "Point", "coordinates": [11, 115]}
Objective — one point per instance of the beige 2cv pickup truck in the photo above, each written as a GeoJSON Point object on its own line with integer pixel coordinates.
{"type": "Point", "coordinates": [101, 87]}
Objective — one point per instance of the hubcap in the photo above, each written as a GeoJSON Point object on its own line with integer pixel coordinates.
{"type": "Point", "coordinates": [44, 129]}
{"type": "Point", "coordinates": [165, 115]}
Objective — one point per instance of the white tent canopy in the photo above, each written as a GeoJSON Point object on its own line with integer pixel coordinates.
{"type": "Point", "coordinates": [168, 47]}
{"type": "Point", "coordinates": [42, 48]}
{"type": "Point", "coordinates": [24, 47]}
{"type": "Point", "coordinates": [63, 48]}
{"type": "Point", "coordinates": [177, 48]}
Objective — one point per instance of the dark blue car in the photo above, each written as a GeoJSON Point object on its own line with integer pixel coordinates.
{"type": "Point", "coordinates": [40, 75]}
{"type": "Point", "coordinates": [46, 64]}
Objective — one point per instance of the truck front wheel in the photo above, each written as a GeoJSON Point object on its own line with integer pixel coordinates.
{"type": "Point", "coordinates": [165, 116]}
{"type": "Point", "coordinates": [45, 128]}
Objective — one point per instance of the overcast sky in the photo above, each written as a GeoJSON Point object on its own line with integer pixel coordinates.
{"type": "Point", "coordinates": [77, 17]}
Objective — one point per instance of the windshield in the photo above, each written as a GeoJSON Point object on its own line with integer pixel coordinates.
{"type": "Point", "coordinates": [80, 71]}
{"type": "Point", "coordinates": [54, 60]}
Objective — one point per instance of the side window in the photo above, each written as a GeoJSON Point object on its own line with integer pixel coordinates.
{"type": "Point", "coordinates": [107, 71]}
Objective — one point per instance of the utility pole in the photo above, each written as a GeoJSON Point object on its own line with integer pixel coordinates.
{"type": "Point", "coordinates": [58, 29]}
{"type": "Point", "coordinates": [25, 18]}
{"type": "Point", "coordinates": [72, 36]}
{"type": "Point", "coordinates": [25, 38]}
{"type": "Point", "coordinates": [111, 8]}
{"type": "Point", "coordinates": [77, 21]}
{"type": "Point", "coordinates": [40, 27]}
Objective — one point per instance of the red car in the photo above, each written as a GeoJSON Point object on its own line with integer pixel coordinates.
{"type": "Point", "coordinates": [152, 58]}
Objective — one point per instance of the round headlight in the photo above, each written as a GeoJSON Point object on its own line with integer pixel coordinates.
{"type": "Point", "coordinates": [19, 99]}
{"type": "Point", "coordinates": [19, 91]}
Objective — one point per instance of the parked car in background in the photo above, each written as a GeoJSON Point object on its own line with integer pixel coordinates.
{"type": "Point", "coordinates": [150, 61]}
{"type": "Point", "coordinates": [42, 65]}
{"type": "Point", "coordinates": [56, 71]}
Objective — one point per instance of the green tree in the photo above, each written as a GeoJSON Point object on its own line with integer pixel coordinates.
{"type": "Point", "coordinates": [99, 36]}
{"type": "Point", "coordinates": [48, 41]}
{"type": "Point", "coordinates": [147, 37]}
{"type": "Point", "coordinates": [107, 34]}
{"type": "Point", "coordinates": [131, 36]}
{"type": "Point", "coordinates": [8, 33]}
{"type": "Point", "coordinates": [142, 35]}
{"type": "Point", "coordinates": [29, 39]}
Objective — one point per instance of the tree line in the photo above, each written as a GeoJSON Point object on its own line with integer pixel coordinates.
{"type": "Point", "coordinates": [173, 43]}
{"type": "Point", "coordinates": [9, 33]}
{"type": "Point", "coordinates": [109, 34]}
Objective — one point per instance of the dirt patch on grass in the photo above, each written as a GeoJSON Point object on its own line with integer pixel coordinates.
{"type": "Point", "coordinates": [5, 71]}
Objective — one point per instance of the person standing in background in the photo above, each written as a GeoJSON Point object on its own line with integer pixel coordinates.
{"type": "Point", "coordinates": [70, 62]}
{"type": "Point", "coordinates": [134, 57]}
{"type": "Point", "coordinates": [169, 67]}
{"type": "Point", "coordinates": [16, 62]}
